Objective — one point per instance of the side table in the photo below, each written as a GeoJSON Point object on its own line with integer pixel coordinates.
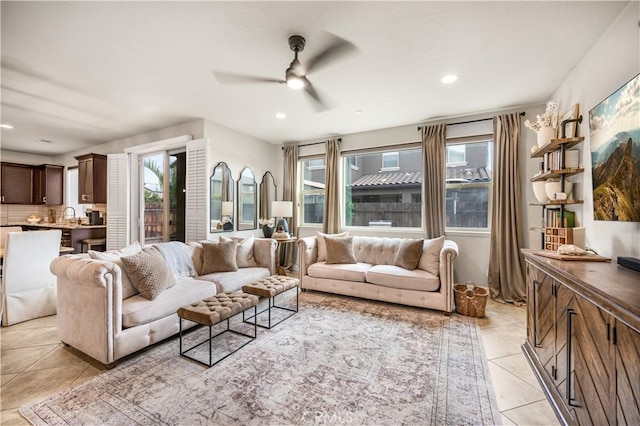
{"type": "Point", "coordinates": [280, 269]}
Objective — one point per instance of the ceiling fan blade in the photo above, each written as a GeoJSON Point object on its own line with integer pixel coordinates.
{"type": "Point", "coordinates": [229, 78]}
{"type": "Point", "coordinates": [318, 103]}
{"type": "Point", "coordinates": [337, 49]}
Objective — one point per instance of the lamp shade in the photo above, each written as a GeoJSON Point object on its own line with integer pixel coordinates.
{"type": "Point", "coordinates": [282, 208]}
{"type": "Point", "coordinates": [227, 208]}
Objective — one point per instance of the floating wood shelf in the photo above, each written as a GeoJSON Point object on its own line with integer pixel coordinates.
{"type": "Point", "coordinates": [557, 202]}
{"type": "Point", "coordinates": [556, 173]}
{"type": "Point", "coordinates": [555, 144]}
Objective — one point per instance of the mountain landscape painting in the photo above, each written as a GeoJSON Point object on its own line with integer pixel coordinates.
{"type": "Point", "coordinates": [614, 126]}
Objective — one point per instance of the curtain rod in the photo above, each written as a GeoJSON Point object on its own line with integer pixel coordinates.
{"type": "Point", "coordinates": [314, 143]}
{"type": "Point", "coordinates": [471, 121]}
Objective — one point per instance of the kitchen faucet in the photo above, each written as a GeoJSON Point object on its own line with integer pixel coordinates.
{"type": "Point", "coordinates": [62, 216]}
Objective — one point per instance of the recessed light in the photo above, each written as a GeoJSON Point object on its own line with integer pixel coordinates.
{"type": "Point", "coordinates": [448, 79]}
{"type": "Point", "coordinates": [6, 126]}
{"type": "Point", "coordinates": [358, 111]}
{"type": "Point", "coordinates": [281, 116]}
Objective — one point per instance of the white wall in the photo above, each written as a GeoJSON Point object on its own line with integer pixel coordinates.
{"type": "Point", "coordinates": [611, 62]}
{"type": "Point", "coordinates": [24, 158]}
{"type": "Point", "coordinates": [195, 128]}
{"type": "Point", "coordinates": [239, 151]}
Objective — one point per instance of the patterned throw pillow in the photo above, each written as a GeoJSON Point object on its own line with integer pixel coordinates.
{"type": "Point", "coordinates": [340, 250]}
{"type": "Point", "coordinates": [219, 257]}
{"type": "Point", "coordinates": [322, 246]}
{"type": "Point", "coordinates": [149, 273]}
{"type": "Point", "coordinates": [409, 254]}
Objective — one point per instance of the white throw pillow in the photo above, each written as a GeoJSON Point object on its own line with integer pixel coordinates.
{"type": "Point", "coordinates": [244, 254]}
{"type": "Point", "coordinates": [128, 289]}
{"type": "Point", "coordinates": [430, 259]}
{"type": "Point", "coordinates": [113, 255]}
{"type": "Point", "coordinates": [322, 245]}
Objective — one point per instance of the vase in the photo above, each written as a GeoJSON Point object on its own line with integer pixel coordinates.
{"type": "Point", "coordinates": [545, 134]}
{"type": "Point", "coordinates": [552, 188]}
{"type": "Point", "coordinates": [267, 231]}
{"type": "Point", "coordinates": [540, 192]}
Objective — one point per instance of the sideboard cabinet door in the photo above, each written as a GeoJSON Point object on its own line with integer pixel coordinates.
{"type": "Point", "coordinates": [627, 349]}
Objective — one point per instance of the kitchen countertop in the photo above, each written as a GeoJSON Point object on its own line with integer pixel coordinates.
{"type": "Point", "coordinates": [57, 225]}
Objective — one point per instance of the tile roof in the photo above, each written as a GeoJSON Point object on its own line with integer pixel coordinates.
{"type": "Point", "coordinates": [459, 174]}
{"type": "Point", "coordinates": [389, 178]}
{"type": "Point", "coordinates": [470, 174]}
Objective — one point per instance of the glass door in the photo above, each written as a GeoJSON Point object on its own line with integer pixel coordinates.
{"type": "Point", "coordinates": [163, 200]}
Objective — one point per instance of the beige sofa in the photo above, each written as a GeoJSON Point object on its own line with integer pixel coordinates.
{"type": "Point", "coordinates": [107, 320]}
{"type": "Point", "coordinates": [375, 276]}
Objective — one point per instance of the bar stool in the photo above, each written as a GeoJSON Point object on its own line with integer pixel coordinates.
{"type": "Point", "coordinates": [91, 242]}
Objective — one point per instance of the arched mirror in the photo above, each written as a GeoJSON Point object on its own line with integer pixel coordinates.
{"type": "Point", "coordinates": [267, 195]}
{"type": "Point", "coordinates": [247, 200]}
{"type": "Point", "coordinates": [221, 209]}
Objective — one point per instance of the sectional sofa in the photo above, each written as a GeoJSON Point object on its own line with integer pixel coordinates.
{"type": "Point", "coordinates": [382, 269]}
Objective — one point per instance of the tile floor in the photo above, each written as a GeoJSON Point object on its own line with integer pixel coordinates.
{"type": "Point", "coordinates": [34, 365]}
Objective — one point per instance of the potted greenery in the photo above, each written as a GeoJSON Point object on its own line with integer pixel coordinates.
{"type": "Point", "coordinates": [546, 123]}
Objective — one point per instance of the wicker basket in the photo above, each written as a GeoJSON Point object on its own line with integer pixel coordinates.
{"type": "Point", "coordinates": [470, 299]}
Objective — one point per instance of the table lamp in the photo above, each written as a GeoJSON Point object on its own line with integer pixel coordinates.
{"type": "Point", "coordinates": [282, 209]}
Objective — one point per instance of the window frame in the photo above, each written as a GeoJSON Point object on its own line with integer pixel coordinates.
{"type": "Point", "coordinates": [464, 141]}
{"type": "Point", "coordinates": [320, 190]}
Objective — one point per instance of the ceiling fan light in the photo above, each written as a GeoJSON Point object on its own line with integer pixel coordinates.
{"type": "Point", "coordinates": [295, 82]}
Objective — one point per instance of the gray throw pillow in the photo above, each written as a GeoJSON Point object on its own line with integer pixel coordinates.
{"type": "Point", "coordinates": [322, 246]}
{"type": "Point", "coordinates": [219, 257]}
{"type": "Point", "coordinates": [339, 250]}
{"type": "Point", "coordinates": [148, 273]}
{"type": "Point", "coordinates": [409, 254]}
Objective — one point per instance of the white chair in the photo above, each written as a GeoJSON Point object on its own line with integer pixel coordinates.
{"type": "Point", "coordinates": [4, 231]}
{"type": "Point", "coordinates": [28, 286]}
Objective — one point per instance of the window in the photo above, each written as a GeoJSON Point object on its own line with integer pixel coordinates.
{"type": "Point", "coordinates": [456, 155]}
{"type": "Point", "coordinates": [383, 197]}
{"type": "Point", "coordinates": [71, 193]}
{"type": "Point", "coordinates": [316, 164]}
{"type": "Point", "coordinates": [312, 190]}
{"type": "Point", "coordinates": [390, 161]}
{"type": "Point", "coordinates": [469, 174]}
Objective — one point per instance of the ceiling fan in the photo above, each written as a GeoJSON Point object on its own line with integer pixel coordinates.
{"type": "Point", "coordinates": [296, 75]}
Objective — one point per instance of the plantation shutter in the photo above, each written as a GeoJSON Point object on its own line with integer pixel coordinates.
{"type": "Point", "coordinates": [118, 191]}
{"type": "Point", "coordinates": [197, 190]}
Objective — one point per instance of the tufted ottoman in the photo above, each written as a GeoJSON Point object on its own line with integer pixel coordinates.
{"type": "Point", "coordinates": [214, 310]}
{"type": "Point", "coordinates": [269, 288]}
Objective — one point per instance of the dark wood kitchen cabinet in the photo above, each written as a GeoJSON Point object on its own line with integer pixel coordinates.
{"type": "Point", "coordinates": [17, 183]}
{"type": "Point", "coordinates": [48, 185]}
{"type": "Point", "coordinates": [29, 184]}
{"type": "Point", "coordinates": [92, 179]}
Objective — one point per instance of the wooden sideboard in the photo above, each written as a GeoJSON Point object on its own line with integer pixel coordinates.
{"type": "Point", "coordinates": [583, 338]}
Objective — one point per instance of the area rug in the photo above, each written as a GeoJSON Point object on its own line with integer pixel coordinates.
{"type": "Point", "coordinates": [339, 360]}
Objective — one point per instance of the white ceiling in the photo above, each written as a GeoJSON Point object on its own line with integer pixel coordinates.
{"type": "Point", "coordinates": [85, 73]}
